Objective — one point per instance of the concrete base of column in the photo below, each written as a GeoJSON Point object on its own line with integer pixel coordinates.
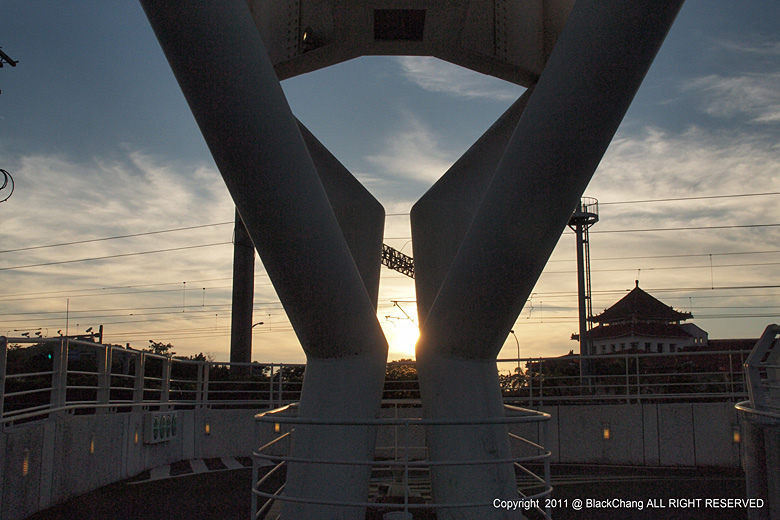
{"type": "Point", "coordinates": [472, 392]}
{"type": "Point", "coordinates": [329, 393]}
{"type": "Point", "coordinates": [761, 453]}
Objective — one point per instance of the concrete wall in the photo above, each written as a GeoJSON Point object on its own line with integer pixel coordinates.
{"type": "Point", "coordinates": [667, 434]}
{"type": "Point", "coordinates": [61, 465]}
{"type": "Point", "coordinates": [233, 433]}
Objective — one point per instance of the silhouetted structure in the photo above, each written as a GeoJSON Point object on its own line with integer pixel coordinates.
{"type": "Point", "coordinates": [638, 321]}
{"type": "Point", "coordinates": [482, 233]}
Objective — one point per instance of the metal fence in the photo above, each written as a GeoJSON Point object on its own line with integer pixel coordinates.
{"type": "Point", "coordinates": [762, 370]}
{"type": "Point", "coordinates": [400, 469]}
{"type": "Point", "coordinates": [45, 377]}
{"type": "Point", "coordinates": [626, 378]}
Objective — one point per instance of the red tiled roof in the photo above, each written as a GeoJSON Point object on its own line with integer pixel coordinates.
{"type": "Point", "coordinates": [640, 306]}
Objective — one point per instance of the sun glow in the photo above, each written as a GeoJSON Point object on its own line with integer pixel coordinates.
{"type": "Point", "coordinates": [401, 337]}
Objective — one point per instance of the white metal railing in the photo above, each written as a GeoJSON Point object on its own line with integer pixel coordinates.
{"type": "Point", "coordinates": [41, 378]}
{"type": "Point", "coordinates": [759, 417]}
{"type": "Point", "coordinates": [762, 371]}
{"type": "Point", "coordinates": [626, 377]}
{"type": "Point", "coordinates": [409, 460]}
{"type": "Point", "coordinates": [762, 377]}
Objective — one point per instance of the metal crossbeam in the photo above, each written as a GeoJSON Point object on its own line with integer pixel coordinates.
{"type": "Point", "coordinates": [397, 261]}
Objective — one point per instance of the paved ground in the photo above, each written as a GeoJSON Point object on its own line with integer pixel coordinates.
{"type": "Point", "coordinates": [210, 490]}
{"type": "Point", "coordinates": [642, 493]}
{"type": "Point", "coordinates": [218, 495]}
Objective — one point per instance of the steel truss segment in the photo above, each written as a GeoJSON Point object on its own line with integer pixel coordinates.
{"type": "Point", "coordinates": [397, 261]}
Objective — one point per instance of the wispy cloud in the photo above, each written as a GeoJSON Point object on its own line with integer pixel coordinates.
{"type": "Point", "coordinates": [435, 75]}
{"type": "Point", "coordinates": [761, 47]}
{"type": "Point", "coordinates": [660, 164]}
{"type": "Point", "coordinates": [755, 96]}
{"type": "Point", "coordinates": [697, 163]}
{"type": "Point", "coordinates": [60, 201]}
{"type": "Point", "coordinates": [414, 152]}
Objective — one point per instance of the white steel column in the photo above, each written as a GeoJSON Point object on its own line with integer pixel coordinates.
{"type": "Point", "coordinates": [223, 69]}
{"type": "Point", "coordinates": [441, 218]}
{"type": "Point", "coordinates": [360, 216]}
{"type": "Point", "coordinates": [574, 111]}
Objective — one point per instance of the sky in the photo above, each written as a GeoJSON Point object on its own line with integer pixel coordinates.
{"type": "Point", "coordinates": [106, 157]}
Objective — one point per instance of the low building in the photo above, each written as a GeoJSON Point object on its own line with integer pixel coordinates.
{"type": "Point", "coordinates": [640, 322]}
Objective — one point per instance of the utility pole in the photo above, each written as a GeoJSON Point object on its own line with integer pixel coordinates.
{"type": "Point", "coordinates": [243, 295]}
{"type": "Point", "coordinates": [586, 214]}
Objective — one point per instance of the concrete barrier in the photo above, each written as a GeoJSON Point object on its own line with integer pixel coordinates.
{"type": "Point", "coordinates": [74, 454]}
{"type": "Point", "coordinates": [44, 463]}
{"type": "Point", "coordinates": [663, 434]}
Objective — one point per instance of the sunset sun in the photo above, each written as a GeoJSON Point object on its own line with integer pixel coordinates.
{"type": "Point", "coordinates": [401, 337]}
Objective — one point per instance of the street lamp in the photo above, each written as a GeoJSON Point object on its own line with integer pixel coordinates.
{"type": "Point", "coordinates": [518, 358]}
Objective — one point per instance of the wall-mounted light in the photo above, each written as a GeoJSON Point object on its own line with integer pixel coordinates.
{"type": "Point", "coordinates": [135, 437]}
{"type": "Point", "coordinates": [277, 427]}
{"type": "Point", "coordinates": [605, 431]}
{"type": "Point", "coordinates": [208, 428]}
{"type": "Point", "coordinates": [307, 36]}
{"type": "Point", "coordinates": [92, 444]}
{"type": "Point", "coordinates": [308, 40]}
{"type": "Point", "coordinates": [736, 437]}
{"type": "Point", "coordinates": [26, 462]}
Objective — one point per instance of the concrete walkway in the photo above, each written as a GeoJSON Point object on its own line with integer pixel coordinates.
{"type": "Point", "coordinates": [223, 493]}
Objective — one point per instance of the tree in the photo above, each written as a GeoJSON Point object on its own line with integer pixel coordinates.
{"type": "Point", "coordinates": [208, 356]}
{"type": "Point", "coordinates": [158, 347]}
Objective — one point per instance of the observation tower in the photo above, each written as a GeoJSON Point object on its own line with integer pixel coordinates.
{"type": "Point", "coordinates": [583, 218]}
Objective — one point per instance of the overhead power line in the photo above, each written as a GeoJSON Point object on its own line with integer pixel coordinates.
{"type": "Point", "coordinates": [689, 255]}
{"type": "Point", "coordinates": [103, 239]}
{"type": "Point", "coordinates": [188, 228]}
{"type": "Point", "coordinates": [705, 197]}
{"type": "Point", "coordinates": [686, 228]}
{"type": "Point", "coordinates": [112, 256]}
{"type": "Point", "coordinates": [682, 255]}
{"type": "Point", "coordinates": [650, 230]}
{"type": "Point", "coordinates": [668, 268]}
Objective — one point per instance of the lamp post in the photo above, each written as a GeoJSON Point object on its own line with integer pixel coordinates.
{"type": "Point", "coordinates": [518, 358]}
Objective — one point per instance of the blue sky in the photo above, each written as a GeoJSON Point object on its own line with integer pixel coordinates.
{"type": "Point", "coordinates": [100, 143]}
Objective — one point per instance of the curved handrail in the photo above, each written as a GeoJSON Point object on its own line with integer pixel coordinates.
{"type": "Point", "coordinates": [744, 406]}
{"type": "Point", "coordinates": [270, 417]}
{"type": "Point", "coordinates": [763, 356]}
{"type": "Point", "coordinates": [278, 416]}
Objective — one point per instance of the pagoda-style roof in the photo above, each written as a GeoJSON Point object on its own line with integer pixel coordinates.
{"type": "Point", "coordinates": [639, 306]}
{"type": "Point", "coordinates": [639, 329]}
